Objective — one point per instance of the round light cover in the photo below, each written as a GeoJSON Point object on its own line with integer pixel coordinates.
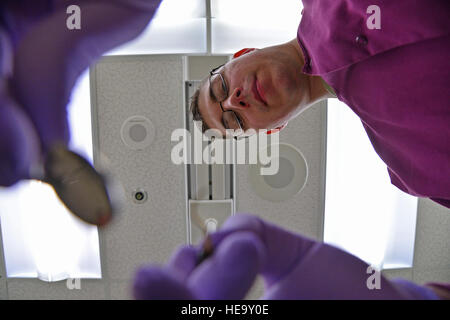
{"type": "Point", "coordinates": [137, 132]}
{"type": "Point", "coordinates": [287, 182]}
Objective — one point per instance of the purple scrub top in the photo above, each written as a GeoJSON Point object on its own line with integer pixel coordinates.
{"type": "Point", "coordinates": [396, 79]}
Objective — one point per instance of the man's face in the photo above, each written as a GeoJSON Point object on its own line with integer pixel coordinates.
{"type": "Point", "coordinates": [265, 89]}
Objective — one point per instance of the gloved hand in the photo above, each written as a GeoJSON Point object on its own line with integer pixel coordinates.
{"type": "Point", "coordinates": [45, 60]}
{"type": "Point", "coordinates": [18, 140]}
{"type": "Point", "coordinates": [292, 266]}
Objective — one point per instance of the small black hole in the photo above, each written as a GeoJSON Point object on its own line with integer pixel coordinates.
{"type": "Point", "coordinates": [139, 196]}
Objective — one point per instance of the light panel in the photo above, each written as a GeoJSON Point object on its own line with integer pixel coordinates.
{"type": "Point", "coordinates": [41, 239]}
{"type": "Point", "coordinates": [177, 27]}
{"type": "Point", "coordinates": [364, 213]}
{"type": "Point", "coordinates": [253, 23]}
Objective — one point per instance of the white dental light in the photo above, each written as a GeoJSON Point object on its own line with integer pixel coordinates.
{"type": "Point", "coordinates": [41, 239]}
{"type": "Point", "coordinates": [364, 213]}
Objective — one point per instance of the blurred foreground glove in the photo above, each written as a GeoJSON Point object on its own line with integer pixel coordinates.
{"type": "Point", "coordinates": [41, 60]}
{"type": "Point", "coordinates": [18, 140]}
{"type": "Point", "coordinates": [292, 266]}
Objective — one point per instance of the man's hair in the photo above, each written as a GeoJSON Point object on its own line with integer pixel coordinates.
{"type": "Point", "coordinates": [196, 115]}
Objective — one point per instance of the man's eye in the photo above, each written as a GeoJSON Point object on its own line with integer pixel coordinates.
{"type": "Point", "coordinates": [217, 90]}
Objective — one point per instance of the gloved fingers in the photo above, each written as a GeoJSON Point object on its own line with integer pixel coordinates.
{"type": "Point", "coordinates": [6, 54]}
{"type": "Point", "coordinates": [327, 272]}
{"type": "Point", "coordinates": [21, 16]}
{"type": "Point", "coordinates": [231, 270]}
{"type": "Point", "coordinates": [237, 223]}
{"type": "Point", "coordinates": [43, 87]}
{"type": "Point", "coordinates": [284, 249]}
{"type": "Point", "coordinates": [155, 283]}
{"type": "Point", "coordinates": [18, 141]}
{"type": "Point", "coordinates": [183, 261]}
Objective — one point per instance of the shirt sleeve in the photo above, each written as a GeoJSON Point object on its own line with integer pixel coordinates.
{"type": "Point", "coordinates": [443, 202]}
{"type": "Point", "coordinates": [336, 34]}
{"type": "Point", "coordinates": [394, 78]}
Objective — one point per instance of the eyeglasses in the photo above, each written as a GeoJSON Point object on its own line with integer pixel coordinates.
{"type": "Point", "coordinates": [219, 92]}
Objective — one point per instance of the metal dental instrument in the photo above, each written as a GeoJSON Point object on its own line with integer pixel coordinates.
{"type": "Point", "coordinates": [78, 185]}
{"type": "Point", "coordinates": [207, 250]}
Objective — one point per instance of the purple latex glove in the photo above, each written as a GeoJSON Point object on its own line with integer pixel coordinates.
{"type": "Point", "coordinates": [45, 60]}
{"type": "Point", "coordinates": [292, 266]}
{"type": "Point", "coordinates": [18, 140]}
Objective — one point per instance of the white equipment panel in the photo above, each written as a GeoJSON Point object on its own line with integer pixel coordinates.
{"type": "Point", "coordinates": [137, 103]}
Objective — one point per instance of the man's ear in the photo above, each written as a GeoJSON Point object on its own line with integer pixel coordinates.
{"type": "Point", "coordinates": [277, 129]}
{"type": "Point", "coordinates": [242, 52]}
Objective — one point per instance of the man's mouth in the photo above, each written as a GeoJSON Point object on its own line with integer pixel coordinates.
{"type": "Point", "coordinates": [258, 92]}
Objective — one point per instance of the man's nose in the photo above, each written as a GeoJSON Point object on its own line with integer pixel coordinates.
{"type": "Point", "coordinates": [236, 100]}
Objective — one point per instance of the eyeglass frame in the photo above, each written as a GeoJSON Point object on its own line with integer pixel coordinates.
{"type": "Point", "coordinates": [225, 87]}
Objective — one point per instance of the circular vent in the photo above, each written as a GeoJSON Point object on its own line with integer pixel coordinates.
{"type": "Point", "coordinates": [289, 180]}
